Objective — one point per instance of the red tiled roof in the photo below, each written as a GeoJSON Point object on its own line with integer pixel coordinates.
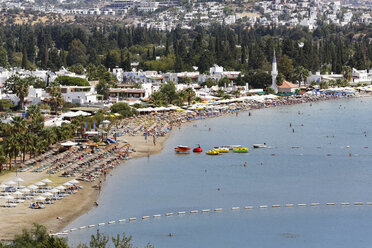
{"type": "Point", "coordinates": [287, 85]}
{"type": "Point", "coordinates": [126, 91]}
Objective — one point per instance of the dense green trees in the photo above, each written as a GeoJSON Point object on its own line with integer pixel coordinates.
{"type": "Point", "coordinates": [71, 81]}
{"type": "Point", "coordinates": [28, 135]}
{"type": "Point", "coordinates": [235, 48]}
{"type": "Point", "coordinates": [123, 109]}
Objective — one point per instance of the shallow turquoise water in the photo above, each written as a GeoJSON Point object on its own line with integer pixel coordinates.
{"type": "Point", "coordinates": [170, 183]}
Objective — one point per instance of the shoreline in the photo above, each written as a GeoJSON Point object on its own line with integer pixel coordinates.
{"type": "Point", "coordinates": [83, 201]}
{"type": "Point", "coordinates": [68, 209]}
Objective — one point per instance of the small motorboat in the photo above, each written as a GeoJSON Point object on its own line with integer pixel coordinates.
{"type": "Point", "coordinates": [212, 152]}
{"type": "Point", "coordinates": [197, 149]}
{"type": "Point", "coordinates": [231, 147]}
{"type": "Point", "coordinates": [222, 149]}
{"type": "Point", "coordinates": [240, 149]}
{"type": "Point", "coordinates": [260, 145]}
{"type": "Point", "coordinates": [182, 149]}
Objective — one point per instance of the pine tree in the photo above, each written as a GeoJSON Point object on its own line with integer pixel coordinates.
{"type": "Point", "coordinates": [24, 59]}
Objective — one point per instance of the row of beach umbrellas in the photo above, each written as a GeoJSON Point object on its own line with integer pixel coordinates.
{"type": "Point", "coordinates": [35, 186]}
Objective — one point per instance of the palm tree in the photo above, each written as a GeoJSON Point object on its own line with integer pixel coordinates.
{"type": "Point", "coordinates": [36, 119]}
{"type": "Point", "coordinates": [19, 125]}
{"type": "Point", "coordinates": [20, 86]}
{"type": "Point", "coordinates": [190, 94]}
{"type": "Point", "coordinates": [220, 93]}
{"type": "Point", "coordinates": [56, 99]}
{"type": "Point", "coordinates": [11, 147]}
{"type": "Point", "coordinates": [26, 144]}
{"type": "Point", "coordinates": [41, 145]}
{"type": "Point", "coordinates": [3, 160]}
{"type": "Point", "coordinates": [347, 73]}
{"type": "Point", "coordinates": [181, 97]}
{"type": "Point", "coordinates": [33, 146]}
{"type": "Point", "coordinates": [301, 74]}
{"type": "Point", "coordinates": [49, 135]}
{"type": "Point", "coordinates": [236, 93]}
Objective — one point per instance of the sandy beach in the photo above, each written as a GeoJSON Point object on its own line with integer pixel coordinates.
{"type": "Point", "coordinates": [57, 216]}
{"type": "Point", "coordinates": [13, 220]}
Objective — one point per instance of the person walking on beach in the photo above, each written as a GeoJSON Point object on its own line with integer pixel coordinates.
{"type": "Point", "coordinates": [100, 186]}
{"type": "Point", "coordinates": [154, 139]}
{"type": "Point", "coordinates": [146, 136]}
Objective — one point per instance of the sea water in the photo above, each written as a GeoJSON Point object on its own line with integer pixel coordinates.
{"type": "Point", "coordinates": [319, 152]}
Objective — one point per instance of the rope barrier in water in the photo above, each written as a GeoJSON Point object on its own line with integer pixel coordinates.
{"type": "Point", "coordinates": [191, 212]}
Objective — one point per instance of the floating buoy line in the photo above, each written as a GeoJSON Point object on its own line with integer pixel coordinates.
{"type": "Point", "coordinates": [203, 211]}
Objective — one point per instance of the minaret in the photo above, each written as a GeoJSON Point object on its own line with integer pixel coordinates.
{"type": "Point", "coordinates": [274, 74]}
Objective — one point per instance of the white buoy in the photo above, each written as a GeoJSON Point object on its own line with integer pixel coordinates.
{"type": "Point", "coordinates": [345, 203]}
{"type": "Point", "coordinates": [157, 215]}
{"type": "Point", "coordinates": [66, 231]}
{"type": "Point", "coordinates": [248, 207]}
{"type": "Point", "coordinates": [218, 210]}
{"type": "Point", "coordinates": [145, 217]}
{"type": "Point", "coordinates": [82, 227]}
{"type": "Point", "coordinates": [330, 203]}
{"type": "Point", "coordinates": [358, 203]}
{"type": "Point", "coordinates": [369, 203]}
{"type": "Point", "coordinates": [181, 212]}
{"type": "Point", "coordinates": [111, 222]}
{"type": "Point", "coordinates": [91, 226]}
{"type": "Point", "coordinates": [314, 204]}
{"type": "Point", "coordinates": [275, 206]}
{"type": "Point", "coordinates": [132, 219]}
{"type": "Point", "coordinates": [169, 214]}
{"type": "Point", "coordinates": [101, 224]}
{"type": "Point", "coordinates": [263, 206]}
{"type": "Point", "coordinates": [194, 211]}
{"type": "Point", "coordinates": [235, 208]}
{"type": "Point", "coordinates": [73, 229]}
{"type": "Point", "coordinates": [206, 210]}
{"type": "Point", "coordinates": [289, 205]}
{"type": "Point", "coordinates": [301, 204]}
{"type": "Point", "coordinates": [122, 220]}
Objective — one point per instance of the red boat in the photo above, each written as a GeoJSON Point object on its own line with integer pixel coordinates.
{"type": "Point", "coordinates": [198, 149]}
{"type": "Point", "coordinates": [182, 149]}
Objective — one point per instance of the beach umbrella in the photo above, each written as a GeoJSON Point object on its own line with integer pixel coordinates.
{"type": "Point", "coordinates": [11, 183]}
{"type": "Point", "coordinates": [40, 184]}
{"type": "Point", "coordinates": [47, 194]}
{"type": "Point", "coordinates": [60, 187]}
{"type": "Point", "coordinates": [67, 184]}
{"type": "Point", "coordinates": [18, 193]}
{"type": "Point", "coordinates": [3, 185]}
{"type": "Point", "coordinates": [54, 190]}
{"type": "Point", "coordinates": [32, 187]}
{"type": "Point", "coordinates": [8, 197]}
{"type": "Point", "coordinates": [25, 190]}
{"type": "Point", "coordinates": [74, 181]}
{"type": "Point", "coordinates": [46, 180]}
{"type": "Point", "coordinates": [18, 180]}
{"type": "Point", "coordinates": [39, 198]}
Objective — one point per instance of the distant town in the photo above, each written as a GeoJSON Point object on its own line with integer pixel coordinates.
{"type": "Point", "coordinates": [167, 15]}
